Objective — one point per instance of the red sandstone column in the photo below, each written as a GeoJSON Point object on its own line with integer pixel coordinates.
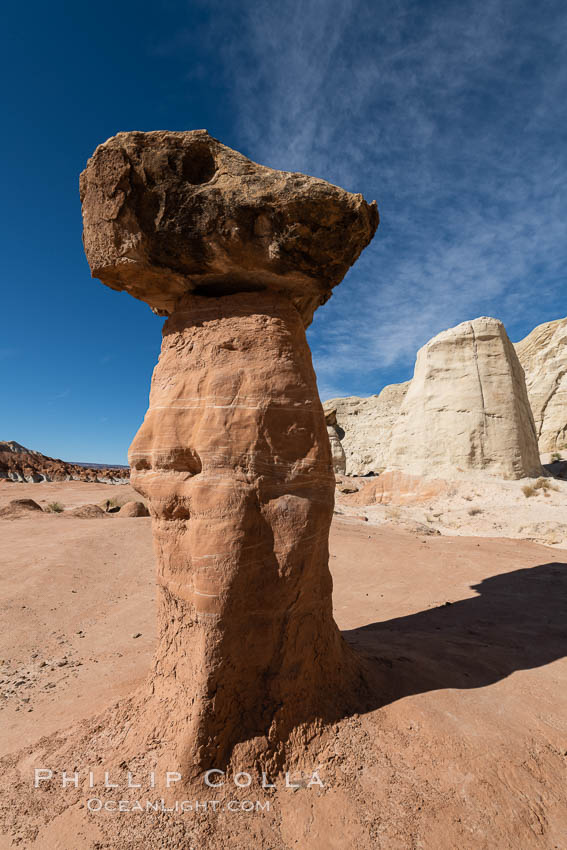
{"type": "Point", "coordinates": [234, 458]}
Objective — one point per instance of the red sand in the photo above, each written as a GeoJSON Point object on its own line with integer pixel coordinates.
{"type": "Point", "coordinates": [461, 745]}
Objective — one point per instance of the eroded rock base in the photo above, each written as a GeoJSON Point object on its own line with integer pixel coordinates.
{"type": "Point", "coordinates": [234, 458]}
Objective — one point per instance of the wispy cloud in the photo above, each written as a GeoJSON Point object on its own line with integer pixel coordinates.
{"type": "Point", "coordinates": [453, 116]}
{"type": "Point", "coordinates": [59, 396]}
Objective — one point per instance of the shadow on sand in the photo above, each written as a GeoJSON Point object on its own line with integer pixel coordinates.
{"type": "Point", "coordinates": [517, 621]}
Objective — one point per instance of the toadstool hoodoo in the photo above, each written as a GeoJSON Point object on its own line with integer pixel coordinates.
{"type": "Point", "coordinates": [233, 455]}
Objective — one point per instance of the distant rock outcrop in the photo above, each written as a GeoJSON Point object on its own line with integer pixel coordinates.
{"type": "Point", "coordinates": [543, 355]}
{"type": "Point", "coordinates": [364, 427]}
{"type": "Point", "coordinates": [337, 451]}
{"type": "Point", "coordinates": [20, 464]}
{"type": "Point", "coordinates": [467, 409]}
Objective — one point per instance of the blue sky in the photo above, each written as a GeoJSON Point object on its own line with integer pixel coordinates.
{"type": "Point", "coordinates": [452, 115]}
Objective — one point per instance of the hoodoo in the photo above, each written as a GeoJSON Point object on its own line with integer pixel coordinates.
{"type": "Point", "coordinates": [466, 410]}
{"type": "Point", "coordinates": [233, 454]}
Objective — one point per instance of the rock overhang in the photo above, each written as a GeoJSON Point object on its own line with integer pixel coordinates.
{"type": "Point", "coordinates": [167, 213]}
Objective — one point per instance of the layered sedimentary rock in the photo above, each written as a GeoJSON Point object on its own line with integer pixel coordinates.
{"type": "Point", "coordinates": [20, 464]}
{"type": "Point", "coordinates": [233, 455]}
{"type": "Point", "coordinates": [467, 409]}
{"type": "Point", "coordinates": [543, 355]}
{"type": "Point", "coordinates": [234, 459]}
{"type": "Point", "coordinates": [364, 427]}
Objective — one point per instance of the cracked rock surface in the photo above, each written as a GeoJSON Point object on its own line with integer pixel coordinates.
{"type": "Point", "coordinates": [466, 409]}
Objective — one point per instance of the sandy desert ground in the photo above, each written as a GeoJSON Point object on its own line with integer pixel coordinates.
{"type": "Point", "coordinates": [526, 509]}
{"type": "Point", "coordinates": [463, 743]}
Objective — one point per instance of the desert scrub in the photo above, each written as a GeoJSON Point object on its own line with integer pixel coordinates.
{"type": "Point", "coordinates": [393, 513]}
{"type": "Point", "coordinates": [544, 484]}
{"type": "Point", "coordinates": [475, 511]}
{"type": "Point", "coordinates": [55, 508]}
{"type": "Point", "coordinates": [541, 484]}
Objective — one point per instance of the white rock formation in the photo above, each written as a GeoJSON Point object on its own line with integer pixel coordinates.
{"type": "Point", "coordinates": [543, 355]}
{"type": "Point", "coordinates": [337, 451]}
{"type": "Point", "coordinates": [467, 409]}
{"type": "Point", "coordinates": [364, 426]}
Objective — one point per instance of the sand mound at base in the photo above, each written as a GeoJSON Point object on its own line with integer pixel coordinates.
{"type": "Point", "coordinates": [19, 507]}
{"type": "Point", "coordinates": [134, 509]}
{"type": "Point", "coordinates": [88, 512]}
